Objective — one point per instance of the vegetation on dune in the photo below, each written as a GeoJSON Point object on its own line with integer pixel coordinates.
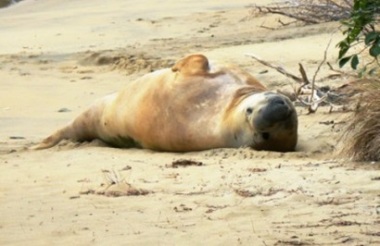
{"type": "Point", "coordinates": [309, 11]}
{"type": "Point", "coordinates": [360, 49]}
{"type": "Point", "coordinates": [363, 133]}
{"type": "Point", "coordinates": [361, 27]}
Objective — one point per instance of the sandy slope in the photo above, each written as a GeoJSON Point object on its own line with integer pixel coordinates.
{"type": "Point", "coordinates": [50, 54]}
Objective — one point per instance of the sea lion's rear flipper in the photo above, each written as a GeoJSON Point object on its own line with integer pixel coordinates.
{"type": "Point", "coordinates": [52, 140]}
{"type": "Point", "coordinates": [83, 128]}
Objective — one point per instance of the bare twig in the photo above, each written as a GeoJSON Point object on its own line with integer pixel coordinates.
{"type": "Point", "coordinates": [267, 27]}
{"type": "Point", "coordinates": [285, 24]}
{"type": "Point", "coordinates": [274, 10]}
{"type": "Point", "coordinates": [322, 62]}
{"type": "Point", "coordinates": [342, 73]}
{"type": "Point", "coordinates": [333, 69]}
{"type": "Point", "coordinates": [314, 99]}
{"type": "Point", "coordinates": [314, 104]}
{"type": "Point", "coordinates": [311, 108]}
{"type": "Point", "coordinates": [276, 67]}
{"type": "Point", "coordinates": [309, 11]}
{"type": "Point", "coordinates": [316, 96]}
{"type": "Point", "coordinates": [303, 74]}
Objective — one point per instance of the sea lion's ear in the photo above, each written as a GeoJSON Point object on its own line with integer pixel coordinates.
{"type": "Point", "coordinates": [192, 65]}
{"type": "Point", "coordinates": [177, 66]}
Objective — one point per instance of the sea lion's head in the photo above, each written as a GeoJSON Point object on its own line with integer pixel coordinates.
{"type": "Point", "coordinates": [270, 121]}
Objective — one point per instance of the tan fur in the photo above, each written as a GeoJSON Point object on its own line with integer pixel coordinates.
{"type": "Point", "coordinates": [180, 109]}
{"type": "Point", "coordinates": [196, 64]}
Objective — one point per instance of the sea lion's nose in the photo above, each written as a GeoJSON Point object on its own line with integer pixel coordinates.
{"type": "Point", "coordinates": [276, 110]}
{"type": "Point", "coordinates": [276, 101]}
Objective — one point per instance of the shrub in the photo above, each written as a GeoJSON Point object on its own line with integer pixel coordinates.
{"type": "Point", "coordinates": [361, 27]}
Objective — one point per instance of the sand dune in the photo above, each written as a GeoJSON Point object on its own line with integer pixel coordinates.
{"type": "Point", "coordinates": [56, 57]}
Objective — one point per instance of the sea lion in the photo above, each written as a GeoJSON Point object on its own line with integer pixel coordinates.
{"type": "Point", "coordinates": [192, 106]}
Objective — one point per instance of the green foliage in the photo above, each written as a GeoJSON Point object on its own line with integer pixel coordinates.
{"type": "Point", "coordinates": [361, 27]}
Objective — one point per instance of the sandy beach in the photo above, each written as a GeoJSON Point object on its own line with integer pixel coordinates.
{"type": "Point", "coordinates": [57, 57]}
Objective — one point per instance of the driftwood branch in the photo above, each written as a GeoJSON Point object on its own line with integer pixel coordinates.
{"type": "Point", "coordinates": [303, 74]}
{"type": "Point", "coordinates": [316, 95]}
{"type": "Point", "coordinates": [314, 99]}
{"type": "Point", "coordinates": [276, 67]}
{"type": "Point", "coordinates": [341, 73]}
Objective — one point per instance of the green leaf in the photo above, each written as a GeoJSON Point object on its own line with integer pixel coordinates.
{"type": "Point", "coordinates": [354, 62]}
{"type": "Point", "coordinates": [353, 35]}
{"type": "Point", "coordinates": [370, 37]}
{"type": "Point", "coordinates": [343, 48]}
{"type": "Point", "coordinates": [346, 22]}
{"type": "Point", "coordinates": [343, 61]}
{"type": "Point", "coordinates": [375, 49]}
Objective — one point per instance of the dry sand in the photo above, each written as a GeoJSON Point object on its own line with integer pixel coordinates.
{"type": "Point", "coordinates": [57, 56]}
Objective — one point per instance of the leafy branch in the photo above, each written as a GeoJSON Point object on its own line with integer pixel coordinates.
{"type": "Point", "coordinates": [361, 27]}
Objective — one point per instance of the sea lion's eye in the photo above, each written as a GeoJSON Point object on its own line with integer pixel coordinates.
{"type": "Point", "coordinates": [249, 110]}
{"type": "Point", "coordinates": [266, 135]}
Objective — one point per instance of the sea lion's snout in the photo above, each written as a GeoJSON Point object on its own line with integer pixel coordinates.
{"type": "Point", "coordinates": [275, 124]}
{"type": "Point", "coordinates": [277, 110]}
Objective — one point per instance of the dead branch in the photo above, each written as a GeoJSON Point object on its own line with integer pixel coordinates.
{"type": "Point", "coordinates": [267, 27]}
{"type": "Point", "coordinates": [276, 67]}
{"type": "Point", "coordinates": [313, 105]}
{"type": "Point", "coordinates": [322, 62]}
{"type": "Point", "coordinates": [312, 108]}
{"type": "Point", "coordinates": [303, 74]}
{"type": "Point", "coordinates": [308, 11]}
{"type": "Point", "coordinates": [314, 99]}
{"type": "Point", "coordinates": [316, 96]}
{"type": "Point", "coordinates": [342, 73]}
{"type": "Point", "coordinates": [285, 24]}
{"type": "Point", "coordinates": [277, 10]}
